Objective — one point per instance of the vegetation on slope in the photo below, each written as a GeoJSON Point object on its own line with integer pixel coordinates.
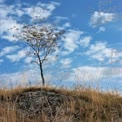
{"type": "Point", "coordinates": [48, 104]}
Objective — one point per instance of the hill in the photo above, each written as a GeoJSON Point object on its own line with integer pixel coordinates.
{"type": "Point", "coordinates": [49, 104]}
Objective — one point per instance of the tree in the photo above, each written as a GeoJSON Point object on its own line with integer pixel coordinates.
{"type": "Point", "coordinates": [42, 39]}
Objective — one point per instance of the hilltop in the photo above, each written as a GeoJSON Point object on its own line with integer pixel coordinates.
{"type": "Point", "coordinates": [47, 104]}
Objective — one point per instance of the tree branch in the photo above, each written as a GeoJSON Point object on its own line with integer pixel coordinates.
{"type": "Point", "coordinates": [35, 62]}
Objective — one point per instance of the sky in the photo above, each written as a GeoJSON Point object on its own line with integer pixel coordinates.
{"type": "Point", "coordinates": [91, 53]}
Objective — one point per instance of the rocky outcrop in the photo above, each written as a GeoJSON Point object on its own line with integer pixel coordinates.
{"type": "Point", "coordinates": [41, 101]}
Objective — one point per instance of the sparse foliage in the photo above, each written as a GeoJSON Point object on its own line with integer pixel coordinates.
{"type": "Point", "coordinates": [43, 40]}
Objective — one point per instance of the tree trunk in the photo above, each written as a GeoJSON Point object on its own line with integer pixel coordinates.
{"type": "Point", "coordinates": [42, 75]}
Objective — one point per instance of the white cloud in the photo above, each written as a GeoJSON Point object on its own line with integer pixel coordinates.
{"type": "Point", "coordinates": [90, 74]}
{"type": "Point", "coordinates": [4, 12]}
{"type": "Point", "coordinates": [102, 29]}
{"type": "Point", "coordinates": [41, 10]}
{"type": "Point", "coordinates": [19, 12]}
{"type": "Point", "coordinates": [8, 50]}
{"type": "Point", "coordinates": [13, 13]}
{"type": "Point", "coordinates": [116, 57]}
{"type": "Point", "coordinates": [85, 41]}
{"type": "Point", "coordinates": [51, 6]}
{"type": "Point", "coordinates": [60, 18]}
{"type": "Point", "coordinates": [66, 62]}
{"type": "Point", "coordinates": [8, 22]}
{"type": "Point", "coordinates": [37, 13]}
{"type": "Point", "coordinates": [98, 46]}
{"type": "Point", "coordinates": [18, 56]}
{"type": "Point", "coordinates": [28, 59]}
{"type": "Point", "coordinates": [100, 52]}
{"type": "Point", "coordinates": [24, 78]}
{"type": "Point", "coordinates": [71, 41]}
{"type": "Point", "coordinates": [99, 18]}
{"type": "Point", "coordinates": [8, 29]}
{"type": "Point", "coordinates": [67, 24]}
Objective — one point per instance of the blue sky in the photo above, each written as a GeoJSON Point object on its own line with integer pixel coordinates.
{"type": "Point", "coordinates": [91, 50]}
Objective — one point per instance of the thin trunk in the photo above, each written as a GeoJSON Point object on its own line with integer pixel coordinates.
{"type": "Point", "coordinates": [42, 75]}
{"type": "Point", "coordinates": [41, 69]}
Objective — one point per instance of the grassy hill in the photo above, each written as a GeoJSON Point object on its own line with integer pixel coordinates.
{"type": "Point", "coordinates": [49, 104]}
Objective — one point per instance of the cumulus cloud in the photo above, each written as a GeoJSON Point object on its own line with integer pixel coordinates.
{"type": "Point", "coordinates": [13, 16]}
{"type": "Point", "coordinates": [100, 51]}
{"type": "Point", "coordinates": [88, 73]}
{"type": "Point", "coordinates": [18, 56]}
{"type": "Point", "coordinates": [8, 22]}
{"type": "Point", "coordinates": [23, 78]}
{"type": "Point", "coordinates": [93, 74]}
{"type": "Point", "coordinates": [97, 76]}
{"type": "Point", "coordinates": [102, 29]}
{"type": "Point", "coordinates": [51, 6]}
{"type": "Point", "coordinates": [41, 10]}
{"type": "Point", "coordinates": [85, 41]}
{"type": "Point", "coordinates": [8, 49]}
{"type": "Point", "coordinates": [99, 18]}
{"type": "Point", "coordinates": [8, 28]}
{"type": "Point", "coordinates": [71, 41]}
{"type": "Point", "coordinates": [28, 59]}
{"type": "Point", "coordinates": [66, 63]}
{"type": "Point", "coordinates": [116, 56]}
{"type": "Point", "coordinates": [67, 24]}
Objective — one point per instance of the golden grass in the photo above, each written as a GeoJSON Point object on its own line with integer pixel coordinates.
{"type": "Point", "coordinates": [90, 105]}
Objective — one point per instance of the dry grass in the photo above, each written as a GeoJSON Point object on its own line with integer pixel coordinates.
{"type": "Point", "coordinates": [84, 105]}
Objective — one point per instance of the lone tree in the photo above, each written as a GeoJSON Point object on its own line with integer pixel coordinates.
{"type": "Point", "coordinates": [42, 39]}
